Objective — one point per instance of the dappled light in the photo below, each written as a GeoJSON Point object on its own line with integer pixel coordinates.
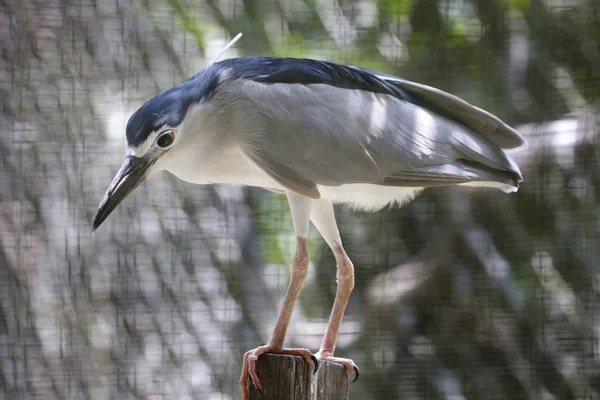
{"type": "Point", "coordinates": [463, 292]}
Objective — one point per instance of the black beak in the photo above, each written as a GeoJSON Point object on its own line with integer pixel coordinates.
{"type": "Point", "coordinates": [130, 175]}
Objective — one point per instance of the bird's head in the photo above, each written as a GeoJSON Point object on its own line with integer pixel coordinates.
{"type": "Point", "coordinates": [156, 134]}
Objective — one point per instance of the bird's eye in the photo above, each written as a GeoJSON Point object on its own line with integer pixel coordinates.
{"type": "Point", "coordinates": [166, 139]}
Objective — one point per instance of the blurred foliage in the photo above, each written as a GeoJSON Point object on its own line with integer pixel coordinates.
{"type": "Point", "coordinates": [461, 293]}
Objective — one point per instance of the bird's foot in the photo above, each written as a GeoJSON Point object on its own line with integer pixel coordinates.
{"type": "Point", "coordinates": [346, 362]}
{"type": "Point", "coordinates": [250, 358]}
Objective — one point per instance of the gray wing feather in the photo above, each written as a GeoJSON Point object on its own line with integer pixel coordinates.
{"type": "Point", "coordinates": [285, 175]}
{"type": "Point", "coordinates": [321, 135]}
{"type": "Point", "coordinates": [448, 174]}
{"type": "Point", "coordinates": [475, 118]}
{"type": "Point", "coordinates": [308, 136]}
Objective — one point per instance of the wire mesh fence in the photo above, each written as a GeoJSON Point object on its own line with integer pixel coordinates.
{"type": "Point", "coordinates": [461, 293]}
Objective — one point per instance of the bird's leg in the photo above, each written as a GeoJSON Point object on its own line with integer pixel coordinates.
{"type": "Point", "coordinates": [345, 282]}
{"type": "Point", "coordinates": [324, 219]}
{"type": "Point", "coordinates": [300, 207]}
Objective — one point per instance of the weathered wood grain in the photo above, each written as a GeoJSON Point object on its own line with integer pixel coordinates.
{"type": "Point", "coordinates": [291, 378]}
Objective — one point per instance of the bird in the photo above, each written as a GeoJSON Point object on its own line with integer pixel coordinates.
{"type": "Point", "coordinates": [320, 133]}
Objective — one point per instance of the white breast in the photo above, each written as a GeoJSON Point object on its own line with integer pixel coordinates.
{"type": "Point", "coordinates": [368, 197]}
{"type": "Point", "coordinates": [233, 167]}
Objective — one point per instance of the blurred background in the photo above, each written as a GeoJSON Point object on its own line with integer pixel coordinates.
{"type": "Point", "coordinates": [462, 294]}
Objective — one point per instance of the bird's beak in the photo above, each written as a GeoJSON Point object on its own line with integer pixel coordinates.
{"type": "Point", "coordinates": [133, 172]}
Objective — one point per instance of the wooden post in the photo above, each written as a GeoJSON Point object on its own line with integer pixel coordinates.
{"type": "Point", "coordinates": [291, 378]}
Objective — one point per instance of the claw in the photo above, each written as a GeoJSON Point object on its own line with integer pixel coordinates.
{"type": "Point", "coordinates": [250, 360]}
{"type": "Point", "coordinates": [316, 361]}
{"type": "Point", "coordinates": [256, 386]}
{"type": "Point", "coordinates": [356, 372]}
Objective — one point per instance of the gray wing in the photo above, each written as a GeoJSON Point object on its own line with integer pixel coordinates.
{"type": "Point", "coordinates": [455, 108]}
{"type": "Point", "coordinates": [323, 135]}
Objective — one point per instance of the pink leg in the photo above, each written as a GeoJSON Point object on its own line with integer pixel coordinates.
{"type": "Point", "coordinates": [345, 281]}
{"type": "Point", "coordinates": [275, 345]}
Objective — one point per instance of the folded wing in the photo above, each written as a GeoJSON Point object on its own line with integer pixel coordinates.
{"type": "Point", "coordinates": [338, 125]}
{"type": "Point", "coordinates": [455, 108]}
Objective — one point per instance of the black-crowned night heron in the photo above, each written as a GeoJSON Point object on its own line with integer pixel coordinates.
{"type": "Point", "coordinates": [321, 133]}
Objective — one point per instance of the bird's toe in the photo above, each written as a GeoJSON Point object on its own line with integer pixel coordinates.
{"type": "Point", "coordinates": [251, 357]}
{"type": "Point", "coordinates": [346, 362]}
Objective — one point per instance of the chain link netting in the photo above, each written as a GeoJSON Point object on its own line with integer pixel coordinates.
{"type": "Point", "coordinates": [461, 293]}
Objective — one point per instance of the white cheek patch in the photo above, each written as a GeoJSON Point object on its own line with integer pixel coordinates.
{"type": "Point", "coordinates": [147, 144]}
{"type": "Point", "coordinates": [143, 148]}
{"type": "Point", "coordinates": [196, 117]}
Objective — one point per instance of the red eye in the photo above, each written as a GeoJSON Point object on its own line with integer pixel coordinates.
{"type": "Point", "coordinates": [166, 139]}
